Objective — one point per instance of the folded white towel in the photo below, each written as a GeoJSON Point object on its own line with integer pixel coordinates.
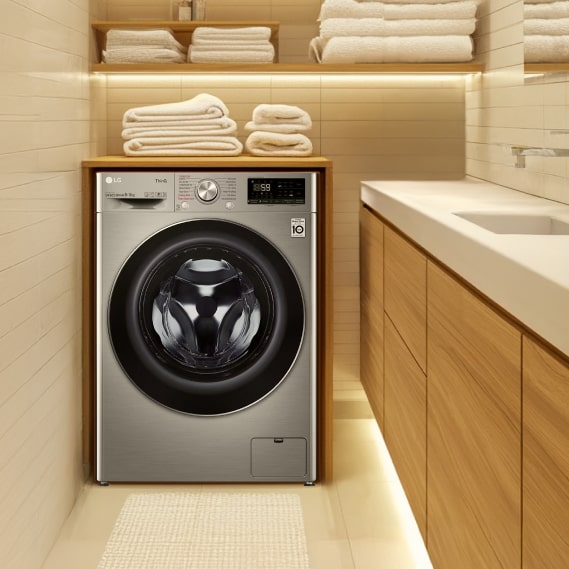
{"type": "Point", "coordinates": [144, 38]}
{"type": "Point", "coordinates": [551, 10]}
{"type": "Point", "coordinates": [242, 33]}
{"type": "Point", "coordinates": [212, 128]}
{"type": "Point", "coordinates": [261, 47]}
{"type": "Point", "coordinates": [350, 9]}
{"type": "Point", "coordinates": [543, 27]}
{"type": "Point", "coordinates": [143, 55]}
{"type": "Point", "coordinates": [279, 114]}
{"type": "Point", "coordinates": [224, 55]}
{"type": "Point", "coordinates": [202, 107]}
{"type": "Point", "coordinates": [362, 27]}
{"type": "Point", "coordinates": [211, 42]}
{"type": "Point", "coordinates": [263, 143]}
{"type": "Point", "coordinates": [546, 49]}
{"type": "Point", "coordinates": [285, 128]}
{"type": "Point", "coordinates": [410, 49]}
{"type": "Point", "coordinates": [191, 146]}
{"type": "Point", "coordinates": [453, 10]}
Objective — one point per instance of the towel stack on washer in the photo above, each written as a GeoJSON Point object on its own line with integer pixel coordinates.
{"type": "Point", "coordinates": [198, 127]}
{"type": "Point", "coordinates": [276, 130]}
{"type": "Point", "coordinates": [395, 31]}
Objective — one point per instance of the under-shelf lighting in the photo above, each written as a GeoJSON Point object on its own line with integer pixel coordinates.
{"type": "Point", "coordinates": [157, 76]}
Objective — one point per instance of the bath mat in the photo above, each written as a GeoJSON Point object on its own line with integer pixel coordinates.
{"type": "Point", "coordinates": [208, 530]}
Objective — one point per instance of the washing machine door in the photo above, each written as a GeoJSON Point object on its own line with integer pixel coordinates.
{"type": "Point", "coordinates": [206, 317]}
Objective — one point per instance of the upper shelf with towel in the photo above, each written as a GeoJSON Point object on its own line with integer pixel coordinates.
{"type": "Point", "coordinates": [395, 31]}
{"type": "Point", "coordinates": [183, 32]}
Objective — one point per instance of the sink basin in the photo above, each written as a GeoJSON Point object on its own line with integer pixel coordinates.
{"type": "Point", "coordinates": [516, 224]}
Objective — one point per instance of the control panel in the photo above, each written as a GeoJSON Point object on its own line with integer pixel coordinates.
{"type": "Point", "coordinates": [276, 190]}
{"type": "Point", "coordinates": [216, 191]}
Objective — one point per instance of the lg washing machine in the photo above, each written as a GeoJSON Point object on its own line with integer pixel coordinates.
{"type": "Point", "coordinates": [206, 326]}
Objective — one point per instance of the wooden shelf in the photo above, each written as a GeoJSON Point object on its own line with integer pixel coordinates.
{"type": "Point", "coordinates": [546, 67]}
{"type": "Point", "coordinates": [316, 68]}
{"type": "Point", "coordinates": [183, 30]}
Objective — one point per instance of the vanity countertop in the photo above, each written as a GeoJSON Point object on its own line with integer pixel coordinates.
{"type": "Point", "coordinates": [528, 275]}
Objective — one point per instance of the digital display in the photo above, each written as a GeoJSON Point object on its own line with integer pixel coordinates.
{"type": "Point", "coordinates": [276, 190]}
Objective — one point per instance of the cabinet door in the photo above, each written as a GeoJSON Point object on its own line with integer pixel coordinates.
{"type": "Point", "coordinates": [474, 430]}
{"type": "Point", "coordinates": [546, 459]}
{"type": "Point", "coordinates": [405, 421]}
{"type": "Point", "coordinates": [405, 293]}
{"type": "Point", "coordinates": [371, 323]}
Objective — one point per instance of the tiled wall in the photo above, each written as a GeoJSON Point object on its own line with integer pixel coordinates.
{"type": "Point", "coordinates": [45, 134]}
{"type": "Point", "coordinates": [505, 108]}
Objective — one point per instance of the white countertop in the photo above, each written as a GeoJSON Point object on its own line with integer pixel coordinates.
{"type": "Point", "coordinates": [528, 275]}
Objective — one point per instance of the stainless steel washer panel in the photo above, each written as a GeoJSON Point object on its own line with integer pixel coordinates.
{"type": "Point", "coordinates": [140, 440]}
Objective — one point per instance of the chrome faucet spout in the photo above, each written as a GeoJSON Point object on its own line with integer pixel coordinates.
{"type": "Point", "coordinates": [520, 152]}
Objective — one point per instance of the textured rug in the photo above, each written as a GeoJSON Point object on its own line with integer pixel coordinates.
{"type": "Point", "coordinates": [208, 531]}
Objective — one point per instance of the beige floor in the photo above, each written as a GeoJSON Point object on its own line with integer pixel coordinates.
{"type": "Point", "coordinates": [359, 521]}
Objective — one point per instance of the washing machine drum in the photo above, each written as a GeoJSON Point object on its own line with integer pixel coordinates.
{"type": "Point", "coordinates": [207, 314]}
{"type": "Point", "coordinates": [206, 317]}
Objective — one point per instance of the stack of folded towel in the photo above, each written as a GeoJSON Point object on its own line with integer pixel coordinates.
{"type": "Point", "coordinates": [276, 130]}
{"type": "Point", "coordinates": [546, 31]}
{"type": "Point", "coordinates": [231, 45]}
{"type": "Point", "coordinates": [395, 31]}
{"type": "Point", "coordinates": [198, 127]}
{"type": "Point", "coordinates": [143, 46]}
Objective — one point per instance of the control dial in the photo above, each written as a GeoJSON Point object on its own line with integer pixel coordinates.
{"type": "Point", "coordinates": [207, 191]}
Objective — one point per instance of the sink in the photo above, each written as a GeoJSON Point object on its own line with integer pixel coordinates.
{"type": "Point", "coordinates": [516, 224]}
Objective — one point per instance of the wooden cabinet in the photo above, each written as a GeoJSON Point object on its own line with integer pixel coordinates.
{"type": "Point", "coordinates": [371, 287]}
{"type": "Point", "coordinates": [478, 428]}
{"type": "Point", "coordinates": [545, 459]}
{"type": "Point", "coordinates": [406, 293]}
{"type": "Point", "coordinates": [474, 430]}
{"type": "Point", "coordinates": [405, 421]}
{"type": "Point", "coordinates": [324, 308]}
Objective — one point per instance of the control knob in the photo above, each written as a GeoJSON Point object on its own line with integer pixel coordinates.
{"type": "Point", "coordinates": [207, 191]}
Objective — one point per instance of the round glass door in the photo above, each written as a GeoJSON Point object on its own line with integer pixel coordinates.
{"type": "Point", "coordinates": [206, 317]}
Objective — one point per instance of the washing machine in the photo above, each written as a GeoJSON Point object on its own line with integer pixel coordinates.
{"type": "Point", "coordinates": [206, 326]}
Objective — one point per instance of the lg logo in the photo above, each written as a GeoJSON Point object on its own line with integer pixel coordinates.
{"type": "Point", "coordinates": [111, 180]}
{"type": "Point", "coordinates": [298, 227]}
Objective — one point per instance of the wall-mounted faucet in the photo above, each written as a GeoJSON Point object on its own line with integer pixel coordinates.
{"type": "Point", "coordinates": [520, 152]}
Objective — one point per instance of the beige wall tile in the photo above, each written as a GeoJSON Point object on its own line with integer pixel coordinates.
{"type": "Point", "coordinates": [46, 112]}
{"type": "Point", "coordinates": [504, 109]}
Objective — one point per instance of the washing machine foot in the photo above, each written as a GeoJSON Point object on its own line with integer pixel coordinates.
{"type": "Point", "coordinates": [309, 484]}
{"type": "Point", "coordinates": [103, 483]}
